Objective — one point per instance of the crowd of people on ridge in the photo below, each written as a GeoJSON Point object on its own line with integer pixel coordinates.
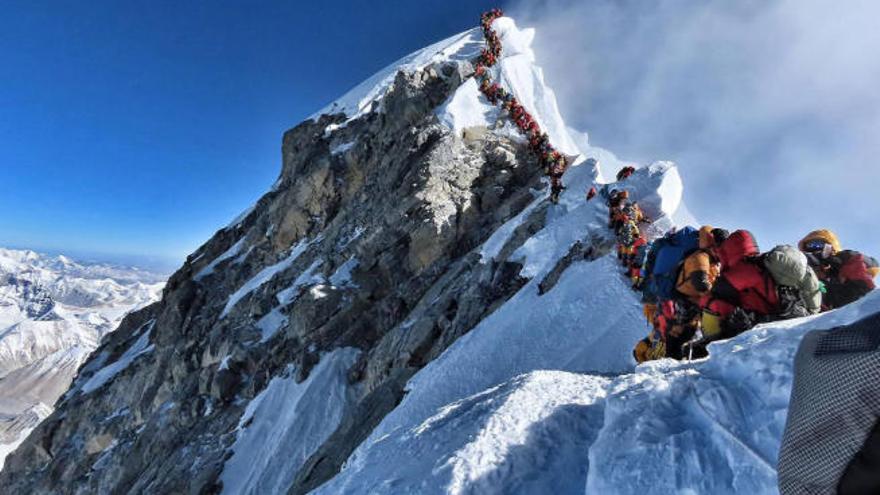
{"type": "Point", "coordinates": [554, 162]}
{"type": "Point", "coordinates": [706, 284]}
{"type": "Point", "coordinates": [697, 285]}
{"type": "Point", "coordinates": [700, 285]}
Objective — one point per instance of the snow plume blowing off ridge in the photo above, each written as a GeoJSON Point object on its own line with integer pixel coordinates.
{"type": "Point", "coordinates": [406, 312]}
{"type": "Point", "coordinates": [780, 93]}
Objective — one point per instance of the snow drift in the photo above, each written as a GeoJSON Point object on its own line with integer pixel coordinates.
{"type": "Point", "coordinates": [711, 426]}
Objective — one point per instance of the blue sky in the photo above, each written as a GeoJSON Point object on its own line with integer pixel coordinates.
{"type": "Point", "coordinates": [134, 130]}
{"type": "Point", "coordinates": [140, 128]}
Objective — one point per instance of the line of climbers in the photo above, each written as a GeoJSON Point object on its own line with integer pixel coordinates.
{"type": "Point", "coordinates": [555, 163]}
{"type": "Point", "coordinates": [697, 285]}
{"type": "Point", "coordinates": [701, 285]}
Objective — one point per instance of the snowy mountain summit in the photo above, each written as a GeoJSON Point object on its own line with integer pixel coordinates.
{"type": "Point", "coordinates": [406, 312]}
{"type": "Point", "coordinates": [53, 313]}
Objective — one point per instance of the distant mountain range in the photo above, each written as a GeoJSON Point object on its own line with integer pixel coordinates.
{"type": "Point", "coordinates": [53, 313]}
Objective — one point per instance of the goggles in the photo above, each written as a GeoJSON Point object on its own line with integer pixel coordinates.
{"type": "Point", "coordinates": [814, 245]}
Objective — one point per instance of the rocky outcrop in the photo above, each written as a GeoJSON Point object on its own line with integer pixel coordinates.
{"type": "Point", "coordinates": [367, 240]}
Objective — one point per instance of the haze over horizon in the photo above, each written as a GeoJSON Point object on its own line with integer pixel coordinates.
{"type": "Point", "coordinates": [157, 264]}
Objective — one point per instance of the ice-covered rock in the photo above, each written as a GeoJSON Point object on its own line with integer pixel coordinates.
{"type": "Point", "coordinates": [406, 312]}
{"type": "Point", "coordinates": [285, 424]}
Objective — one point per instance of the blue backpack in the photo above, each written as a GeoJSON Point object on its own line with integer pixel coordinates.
{"type": "Point", "coordinates": [661, 266]}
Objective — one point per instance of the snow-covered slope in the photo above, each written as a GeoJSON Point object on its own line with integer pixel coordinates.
{"type": "Point", "coordinates": [517, 71]}
{"type": "Point", "coordinates": [368, 95]}
{"type": "Point", "coordinates": [286, 423]}
{"type": "Point", "coordinates": [406, 312]}
{"type": "Point", "coordinates": [527, 435]}
{"type": "Point", "coordinates": [541, 397]}
{"type": "Point", "coordinates": [53, 313]}
{"type": "Point", "coordinates": [473, 424]}
{"type": "Point", "coordinates": [713, 426]}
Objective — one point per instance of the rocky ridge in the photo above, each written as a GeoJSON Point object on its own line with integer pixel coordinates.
{"type": "Point", "coordinates": [368, 241]}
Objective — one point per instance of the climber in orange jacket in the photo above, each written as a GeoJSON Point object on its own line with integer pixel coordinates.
{"type": "Point", "coordinates": [700, 269]}
{"type": "Point", "coordinates": [617, 200]}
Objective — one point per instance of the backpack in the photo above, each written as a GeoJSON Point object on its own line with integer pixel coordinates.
{"type": "Point", "coordinates": [736, 248]}
{"type": "Point", "coordinates": [661, 267]}
{"type": "Point", "coordinates": [750, 286]}
{"type": "Point", "coordinates": [791, 303]}
{"type": "Point", "coordinates": [850, 279]}
{"type": "Point", "coordinates": [789, 267]}
{"type": "Point", "coordinates": [786, 264]}
{"type": "Point", "coordinates": [625, 172]}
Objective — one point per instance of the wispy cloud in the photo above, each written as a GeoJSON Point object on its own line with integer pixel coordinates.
{"type": "Point", "coordinates": [771, 108]}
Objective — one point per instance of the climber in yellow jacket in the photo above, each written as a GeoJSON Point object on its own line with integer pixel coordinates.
{"type": "Point", "coordinates": [846, 274]}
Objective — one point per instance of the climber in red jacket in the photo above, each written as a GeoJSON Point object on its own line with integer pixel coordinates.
{"type": "Point", "coordinates": [625, 172]}
{"type": "Point", "coordinates": [745, 292]}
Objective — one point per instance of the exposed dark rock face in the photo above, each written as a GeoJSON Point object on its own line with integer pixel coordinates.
{"type": "Point", "coordinates": [393, 197]}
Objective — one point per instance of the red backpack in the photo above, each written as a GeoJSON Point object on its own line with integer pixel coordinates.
{"type": "Point", "coordinates": [757, 290]}
{"type": "Point", "coordinates": [739, 246]}
{"type": "Point", "coordinates": [754, 286]}
{"type": "Point", "coordinates": [855, 269]}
